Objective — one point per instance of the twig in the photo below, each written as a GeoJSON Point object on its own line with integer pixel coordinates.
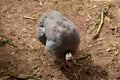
{"type": "Point", "coordinates": [22, 77]}
{"type": "Point", "coordinates": [76, 76]}
{"type": "Point", "coordinates": [5, 78]}
{"type": "Point", "coordinates": [36, 71]}
{"type": "Point", "coordinates": [116, 50]}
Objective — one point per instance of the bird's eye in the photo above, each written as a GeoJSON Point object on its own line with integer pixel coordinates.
{"type": "Point", "coordinates": [69, 60]}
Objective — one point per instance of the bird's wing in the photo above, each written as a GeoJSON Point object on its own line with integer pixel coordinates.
{"type": "Point", "coordinates": [62, 32]}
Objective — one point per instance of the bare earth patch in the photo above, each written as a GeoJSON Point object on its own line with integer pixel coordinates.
{"type": "Point", "coordinates": [23, 56]}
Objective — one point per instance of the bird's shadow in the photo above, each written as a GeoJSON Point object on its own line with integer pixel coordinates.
{"type": "Point", "coordinates": [85, 69]}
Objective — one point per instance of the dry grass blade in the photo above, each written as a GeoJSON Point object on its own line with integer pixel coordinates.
{"type": "Point", "coordinates": [101, 20]}
{"type": "Point", "coordinates": [11, 43]}
{"type": "Point", "coordinates": [86, 57]}
{"type": "Point", "coordinates": [3, 41]}
{"type": "Point", "coordinates": [27, 17]}
{"type": "Point", "coordinates": [100, 26]}
{"type": "Point", "coordinates": [22, 77]}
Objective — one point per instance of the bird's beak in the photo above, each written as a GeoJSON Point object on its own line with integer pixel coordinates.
{"type": "Point", "coordinates": [69, 64]}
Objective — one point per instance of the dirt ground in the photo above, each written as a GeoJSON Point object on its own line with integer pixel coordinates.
{"type": "Point", "coordinates": [22, 56]}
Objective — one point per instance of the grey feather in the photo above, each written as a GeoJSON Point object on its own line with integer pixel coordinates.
{"type": "Point", "coordinates": [58, 34]}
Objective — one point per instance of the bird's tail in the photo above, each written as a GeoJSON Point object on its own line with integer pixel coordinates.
{"type": "Point", "coordinates": [41, 35]}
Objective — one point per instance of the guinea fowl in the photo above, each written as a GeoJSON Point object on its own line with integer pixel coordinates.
{"type": "Point", "coordinates": [59, 35]}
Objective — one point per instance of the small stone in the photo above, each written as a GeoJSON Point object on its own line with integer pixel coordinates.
{"type": "Point", "coordinates": [49, 64]}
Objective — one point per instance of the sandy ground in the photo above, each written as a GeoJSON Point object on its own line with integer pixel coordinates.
{"type": "Point", "coordinates": [23, 56]}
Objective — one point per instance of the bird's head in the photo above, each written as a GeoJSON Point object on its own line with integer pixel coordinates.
{"type": "Point", "coordinates": [69, 59]}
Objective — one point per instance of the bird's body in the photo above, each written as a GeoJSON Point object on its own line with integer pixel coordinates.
{"type": "Point", "coordinates": [58, 34]}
